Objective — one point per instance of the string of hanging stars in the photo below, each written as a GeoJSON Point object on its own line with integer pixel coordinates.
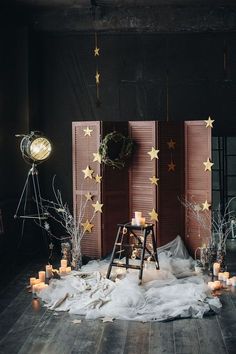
{"type": "Point", "coordinates": [97, 74]}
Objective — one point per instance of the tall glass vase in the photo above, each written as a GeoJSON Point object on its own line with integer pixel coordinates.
{"type": "Point", "coordinates": [76, 261]}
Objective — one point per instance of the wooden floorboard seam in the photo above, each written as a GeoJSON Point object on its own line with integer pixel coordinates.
{"type": "Point", "coordinates": [222, 334]}
{"type": "Point", "coordinates": [100, 341]}
{"type": "Point", "coordinates": [173, 335]}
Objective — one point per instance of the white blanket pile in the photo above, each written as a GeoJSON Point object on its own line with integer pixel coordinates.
{"type": "Point", "coordinates": [172, 292]}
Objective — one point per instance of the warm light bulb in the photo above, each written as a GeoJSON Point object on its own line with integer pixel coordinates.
{"type": "Point", "coordinates": [40, 149]}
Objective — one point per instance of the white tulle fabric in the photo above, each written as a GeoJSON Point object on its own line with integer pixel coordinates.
{"type": "Point", "coordinates": [174, 291]}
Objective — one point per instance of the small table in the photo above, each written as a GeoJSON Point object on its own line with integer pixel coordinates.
{"type": "Point", "coordinates": [124, 247]}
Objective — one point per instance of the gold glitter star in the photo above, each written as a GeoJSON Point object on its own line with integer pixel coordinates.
{"type": "Point", "coordinates": [96, 51]}
{"type": "Point", "coordinates": [154, 180]}
{"type": "Point", "coordinates": [97, 207]}
{"type": "Point", "coordinates": [171, 166]}
{"type": "Point", "coordinates": [88, 196]}
{"type": "Point", "coordinates": [205, 205]}
{"type": "Point", "coordinates": [171, 144]}
{"type": "Point", "coordinates": [88, 131]}
{"type": "Point", "coordinates": [208, 165]}
{"type": "Point", "coordinates": [97, 157]}
{"type": "Point", "coordinates": [87, 226]}
{"type": "Point", "coordinates": [153, 215]}
{"type": "Point", "coordinates": [88, 172]}
{"type": "Point", "coordinates": [153, 153]}
{"type": "Point", "coordinates": [209, 122]}
{"type": "Point", "coordinates": [98, 179]}
{"type": "Point", "coordinates": [97, 77]}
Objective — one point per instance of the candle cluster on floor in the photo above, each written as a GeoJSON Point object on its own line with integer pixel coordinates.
{"type": "Point", "coordinates": [138, 220]}
{"type": "Point", "coordinates": [40, 283]}
{"type": "Point", "coordinates": [223, 278]}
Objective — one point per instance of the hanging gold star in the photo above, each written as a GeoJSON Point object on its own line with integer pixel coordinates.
{"type": "Point", "coordinates": [97, 207]}
{"type": "Point", "coordinates": [153, 215]}
{"type": "Point", "coordinates": [97, 157]}
{"type": "Point", "coordinates": [171, 144]}
{"type": "Point", "coordinates": [209, 122]}
{"type": "Point", "coordinates": [154, 180]}
{"type": "Point", "coordinates": [171, 166]}
{"type": "Point", "coordinates": [208, 165]}
{"type": "Point", "coordinates": [88, 172]}
{"type": "Point", "coordinates": [98, 179]}
{"type": "Point", "coordinates": [153, 153]}
{"type": "Point", "coordinates": [88, 196]}
{"type": "Point", "coordinates": [206, 205]}
{"type": "Point", "coordinates": [88, 131]}
{"type": "Point", "coordinates": [87, 226]}
{"type": "Point", "coordinates": [96, 51]}
{"type": "Point", "coordinates": [97, 77]}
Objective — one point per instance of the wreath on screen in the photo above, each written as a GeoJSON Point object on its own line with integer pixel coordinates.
{"type": "Point", "coordinates": [115, 148]}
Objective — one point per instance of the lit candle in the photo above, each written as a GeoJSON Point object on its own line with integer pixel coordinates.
{"type": "Point", "coordinates": [142, 221]}
{"type": "Point", "coordinates": [63, 263]}
{"type": "Point", "coordinates": [32, 280]}
{"type": "Point", "coordinates": [226, 276]}
{"type": "Point", "coordinates": [133, 221]}
{"type": "Point", "coordinates": [220, 276]}
{"type": "Point", "coordinates": [48, 271]}
{"type": "Point", "coordinates": [68, 270]}
{"type": "Point", "coordinates": [137, 214]}
{"type": "Point", "coordinates": [42, 276]}
{"type": "Point", "coordinates": [217, 284]}
{"type": "Point", "coordinates": [233, 281]}
{"type": "Point", "coordinates": [216, 269]}
{"type": "Point", "coordinates": [62, 270]}
{"type": "Point", "coordinates": [211, 285]}
{"type": "Point", "coordinates": [228, 282]}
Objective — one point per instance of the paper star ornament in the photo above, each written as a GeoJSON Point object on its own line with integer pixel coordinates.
{"type": "Point", "coordinates": [171, 166]}
{"type": "Point", "coordinates": [208, 165]}
{"type": "Point", "coordinates": [88, 196]}
{"type": "Point", "coordinates": [97, 207]}
{"type": "Point", "coordinates": [88, 172]}
{"type": "Point", "coordinates": [205, 205]}
{"type": "Point", "coordinates": [209, 122]}
{"type": "Point", "coordinates": [153, 153]}
{"type": "Point", "coordinates": [97, 77]}
{"type": "Point", "coordinates": [153, 215]}
{"type": "Point", "coordinates": [97, 157]}
{"type": "Point", "coordinates": [154, 180]}
{"type": "Point", "coordinates": [96, 52]}
{"type": "Point", "coordinates": [98, 179]}
{"type": "Point", "coordinates": [87, 131]}
{"type": "Point", "coordinates": [171, 144]}
{"type": "Point", "coordinates": [87, 226]}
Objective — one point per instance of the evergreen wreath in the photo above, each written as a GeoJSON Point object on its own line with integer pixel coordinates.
{"type": "Point", "coordinates": [115, 148]}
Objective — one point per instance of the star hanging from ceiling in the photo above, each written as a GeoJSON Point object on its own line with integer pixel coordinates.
{"type": "Point", "coordinates": [88, 172]}
{"type": "Point", "coordinates": [171, 144]}
{"type": "Point", "coordinates": [97, 207]}
{"type": "Point", "coordinates": [97, 157]}
{"type": "Point", "coordinates": [208, 165]}
{"type": "Point", "coordinates": [96, 51]}
{"type": "Point", "coordinates": [153, 215]}
{"type": "Point", "coordinates": [88, 196]}
{"type": "Point", "coordinates": [154, 180]}
{"type": "Point", "coordinates": [209, 122]}
{"type": "Point", "coordinates": [98, 179]}
{"type": "Point", "coordinates": [87, 131]}
{"type": "Point", "coordinates": [205, 205]}
{"type": "Point", "coordinates": [153, 153]}
{"type": "Point", "coordinates": [97, 77]}
{"type": "Point", "coordinates": [171, 166]}
{"type": "Point", "coordinates": [87, 226]}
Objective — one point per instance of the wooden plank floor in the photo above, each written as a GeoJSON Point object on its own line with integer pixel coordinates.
{"type": "Point", "coordinates": [28, 328]}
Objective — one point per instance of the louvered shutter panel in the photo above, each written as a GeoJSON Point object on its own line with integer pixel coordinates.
{"type": "Point", "coordinates": [83, 148]}
{"type": "Point", "coordinates": [197, 180]}
{"type": "Point", "coordinates": [171, 184]}
{"type": "Point", "coordinates": [143, 194]}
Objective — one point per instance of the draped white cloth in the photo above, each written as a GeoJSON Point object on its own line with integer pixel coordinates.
{"type": "Point", "coordinates": [174, 291]}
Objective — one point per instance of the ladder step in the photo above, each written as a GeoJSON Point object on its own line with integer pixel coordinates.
{"type": "Point", "coordinates": [123, 265]}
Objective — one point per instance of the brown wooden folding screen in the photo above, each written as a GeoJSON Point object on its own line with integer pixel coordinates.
{"type": "Point", "coordinates": [197, 181]}
{"type": "Point", "coordinates": [128, 190]}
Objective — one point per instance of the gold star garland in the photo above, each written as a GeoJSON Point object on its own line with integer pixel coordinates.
{"type": "Point", "coordinates": [97, 77]}
{"type": "Point", "coordinates": [171, 146]}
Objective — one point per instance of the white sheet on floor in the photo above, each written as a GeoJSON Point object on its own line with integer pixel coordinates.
{"type": "Point", "coordinates": [164, 294]}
